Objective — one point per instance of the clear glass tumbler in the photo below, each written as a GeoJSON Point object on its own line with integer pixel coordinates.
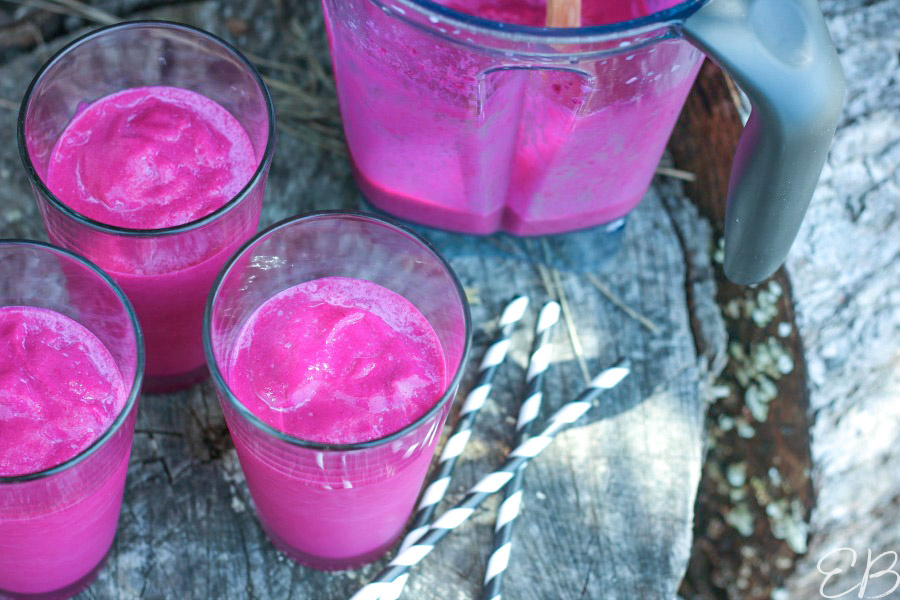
{"type": "Point", "coordinates": [167, 273]}
{"type": "Point", "coordinates": [335, 506]}
{"type": "Point", "coordinates": [57, 525]}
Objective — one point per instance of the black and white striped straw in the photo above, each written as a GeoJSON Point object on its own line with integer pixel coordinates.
{"type": "Point", "coordinates": [492, 482]}
{"type": "Point", "coordinates": [456, 443]}
{"type": "Point", "coordinates": [542, 351]}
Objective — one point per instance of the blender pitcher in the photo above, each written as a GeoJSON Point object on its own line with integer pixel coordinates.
{"type": "Point", "coordinates": [475, 125]}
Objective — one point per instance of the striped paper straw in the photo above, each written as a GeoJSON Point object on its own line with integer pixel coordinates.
{"type": "Point", "coordinates": [492, 482]}
{"type": "Point", "coordinates": [437, 489]}
{"type": "Point", "coordinates": [542, 351]}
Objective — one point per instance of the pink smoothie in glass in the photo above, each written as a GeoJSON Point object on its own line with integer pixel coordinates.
{"type": "Point", "coordinates": [337, 361]}
{"type": "Point", "coordinates": [60, 390]}
{"type": "Point", "coordinates": [458, 137]}
{"type": "Point", "coordinates": [149, 158]}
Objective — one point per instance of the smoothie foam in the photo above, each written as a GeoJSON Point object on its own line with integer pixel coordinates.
{"type": "Point", "coordinates": [337, 360]}
{"type": "Point", "coordinates": [151, 157]}
{"type": "Point", "coordinates": [60, 389]}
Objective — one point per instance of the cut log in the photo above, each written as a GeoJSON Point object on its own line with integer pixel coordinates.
{"type": "Point", "coordinates": [845, 269]}
{"type": "Point", "coordinates": [608, 509]}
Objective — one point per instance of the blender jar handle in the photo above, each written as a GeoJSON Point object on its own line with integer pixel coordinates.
{"type": "Point", "coordinates": [779, 52]}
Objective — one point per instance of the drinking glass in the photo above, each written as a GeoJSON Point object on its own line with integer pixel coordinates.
{"type": "Point", "coordinates": [57, 525]}
{"type": "Point", "coordinates": [335, 506]}
{"type": "Point", "coordinates": [166, 272]}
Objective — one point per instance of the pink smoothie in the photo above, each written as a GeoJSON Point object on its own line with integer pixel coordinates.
{"type": "Point", "coordinates": [60, 390]}
{"type": "Point", "coordinates": [474, 141]}
{"type": "Point", "coordinates": [337, 361]}
{"type": "Point", "coordinates": [150, 158]}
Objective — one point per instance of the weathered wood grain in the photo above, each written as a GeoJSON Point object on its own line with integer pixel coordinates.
{"type": "Point", "coordinates": [845, 268]}
{"type": "Point", "coordinates": [608, 508]}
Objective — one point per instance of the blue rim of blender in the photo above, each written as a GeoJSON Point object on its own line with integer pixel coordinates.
{"type": "Point", "coordinates": [256, 179]}
{"type": "Point", "coordinates": [140, 359]}
{"type": "Point", "coordinates": [594, 33]}
{"type": "Point", "coordinates": [218, 376]}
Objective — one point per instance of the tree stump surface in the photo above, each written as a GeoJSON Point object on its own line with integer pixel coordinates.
{"type": "Point", "coordinates": [831, 433]}
{"type": "Point", "coordinates": [845, 272]}
{"type": "Point", "coordinates": [609, 507]}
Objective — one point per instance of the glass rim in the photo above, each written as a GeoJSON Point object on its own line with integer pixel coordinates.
{"type": "Point", "coordinates": [526, 33]}
{"type": "Point", "coordinates": [133, 395]}
{"type": "Point", "coordinates": [247, 414]}
{"type": "Point", "coordinates": [45, 192]}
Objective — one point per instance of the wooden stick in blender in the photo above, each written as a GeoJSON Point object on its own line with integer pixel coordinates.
{"type": "Point", "coordinates": [563, 13]}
